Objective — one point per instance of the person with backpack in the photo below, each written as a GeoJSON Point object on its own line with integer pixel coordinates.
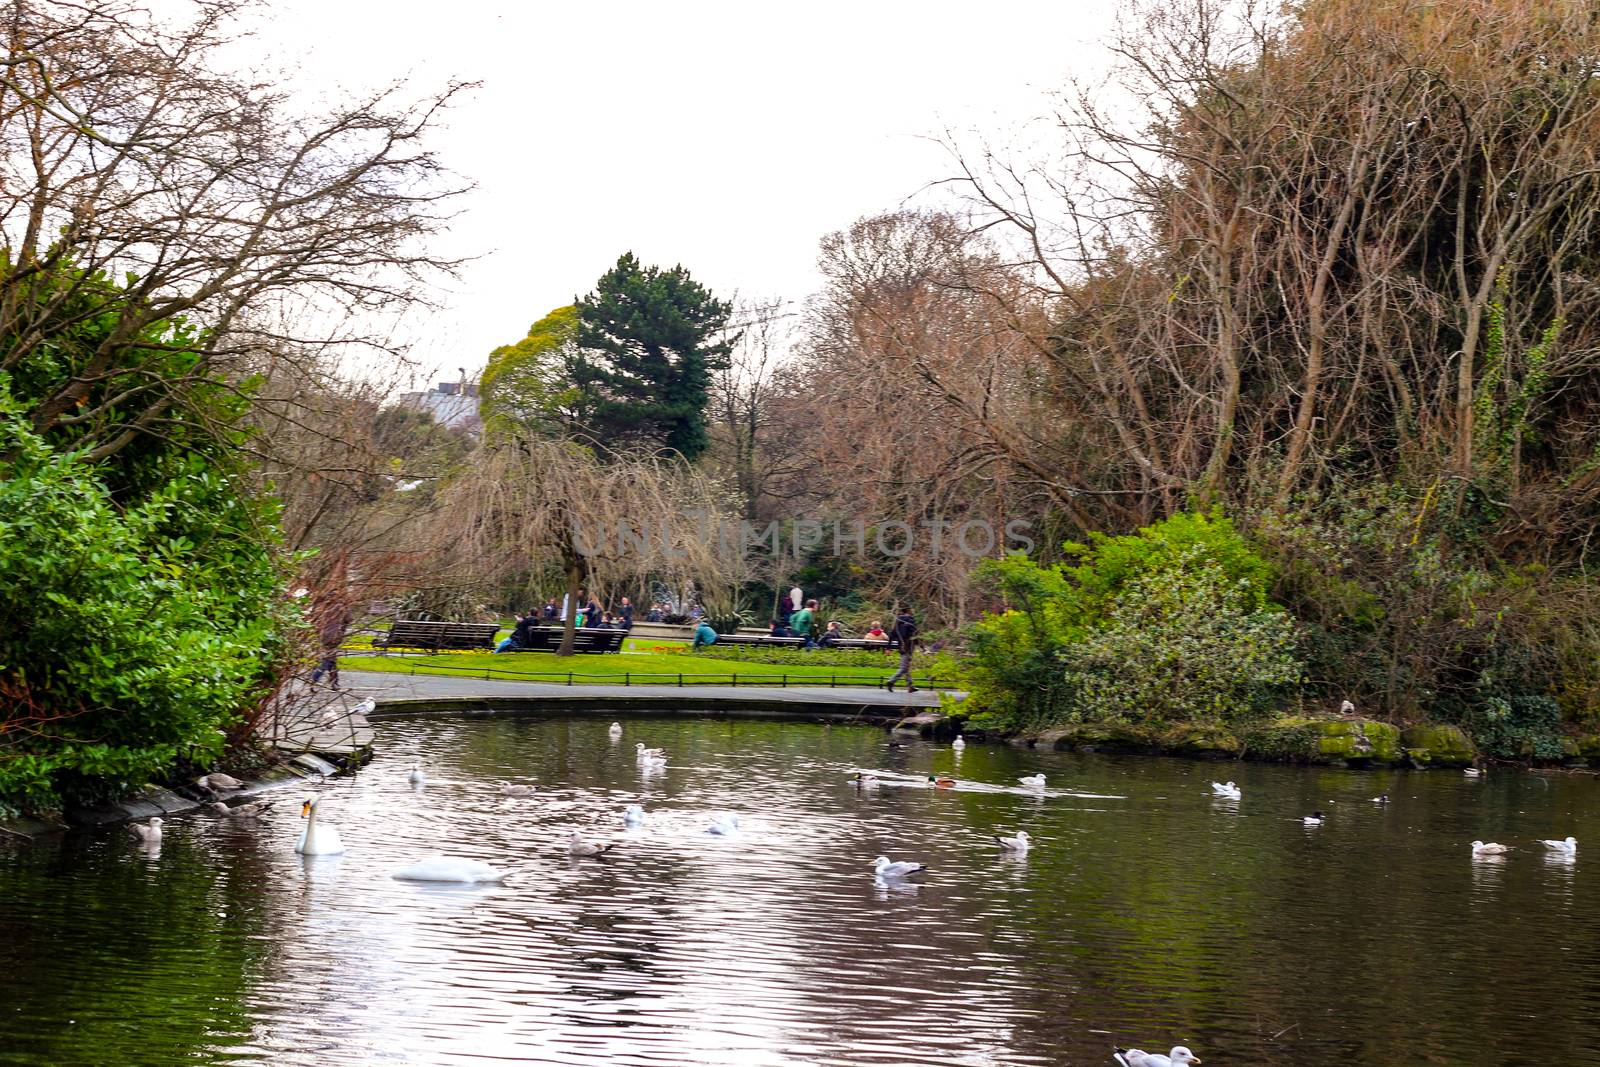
{"type": "Point", "coordinates": [905, 634]}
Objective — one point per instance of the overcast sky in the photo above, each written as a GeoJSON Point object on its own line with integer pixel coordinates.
{"type": "Point", "coordinates": [729, 137]}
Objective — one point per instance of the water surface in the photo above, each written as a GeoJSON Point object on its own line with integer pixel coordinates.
{"type": "Point", "coordinates": [1147, 913]}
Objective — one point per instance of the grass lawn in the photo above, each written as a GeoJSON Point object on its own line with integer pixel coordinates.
{"type": "Point", "coordinates": [637, 668]}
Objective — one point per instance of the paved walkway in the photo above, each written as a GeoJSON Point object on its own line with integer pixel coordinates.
{"type": "Point", "coordinates": [393, 687]}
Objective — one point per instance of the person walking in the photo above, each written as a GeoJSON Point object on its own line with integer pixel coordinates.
{"type": "Point", "coordinates": [905, 633]}
{"type": "Point", "coordinates": [625, 614]}
{"type": "Point", "coordinates": [802, 622]}
{"type": "Point", "coordinates": [336, 617]}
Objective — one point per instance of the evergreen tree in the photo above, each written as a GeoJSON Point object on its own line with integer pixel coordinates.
{"type": "Point", "coordinates": [649, 344]}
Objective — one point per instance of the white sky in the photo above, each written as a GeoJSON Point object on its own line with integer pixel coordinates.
{"type": "Point", "coordinates": [729, 137]}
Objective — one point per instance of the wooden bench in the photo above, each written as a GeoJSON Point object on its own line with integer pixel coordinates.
{"type": "Point", "coordinates": [584, 639]}
{"type": "Point", "coordinates": [421, 633]}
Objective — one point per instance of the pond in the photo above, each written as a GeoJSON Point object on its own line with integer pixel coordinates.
{"type": "Point", "coordinates": [1146, 913]}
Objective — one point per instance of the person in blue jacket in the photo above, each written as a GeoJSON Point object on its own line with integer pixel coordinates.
{"type": "Point", "coordinates": [704, 634]}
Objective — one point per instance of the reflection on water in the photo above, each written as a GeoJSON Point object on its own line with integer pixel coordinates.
{"type": "Point", "coordinates": [1147, 912]}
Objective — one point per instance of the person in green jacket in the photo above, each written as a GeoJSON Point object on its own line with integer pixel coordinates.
{"type": "Point", "coordinates": [802, 622]}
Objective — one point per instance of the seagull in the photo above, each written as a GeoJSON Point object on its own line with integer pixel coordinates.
{"type": "Point", "coordinates": [242, 811]}
{"type": "Point", "coordinates": [148, 832]}
{"type": "Point", "coordinates": [1381, 798]}
{"type": "Point", "coordinates": [512, 789]}
{"type": "Point", "coordinates": [1132, 1057]}
{"type": "Point", "coordinates": [1314, 819]}
{"type": "Point", "coordinates": [632, 816]}
{"type": "Point", "coordinates": [645, 753]}
{"type": "Point", "coordinates": [1018, 843]}
{"type": "Point", "coordinates": [327, 718]}
{"type": "Point", "coordinates": [217, 782]}
{"type": "Point", "coordinates": [1491, 849]}
{"type": "Point", "coordinates": [417, 777]}
{"type": "Point", "coordinates": [1347, 708]}
{"type": "Point", "coordinates": [615, 731]}
{"type": "Point", "coordinates": [882, 868]}
{"type": "Point", "coordinates": [1032, 781]}
{"type": "Point", "coordinates": [1226, 789]}
{"type": "Point", "coordinates": [725, 825]}
{"type": "Point", "coordinates": [1569, 846]}
{"type": "Point", "coordinates": [653, 763]}
{"type": "Point", "coordinates": [366, 707]}
{"type": "Point", "coordinates": [578, 845]}
{"type": "Point", "coordinates": [959, 743]}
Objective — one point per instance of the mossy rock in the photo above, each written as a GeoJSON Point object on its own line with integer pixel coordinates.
{"type": "Point", "coordinates": [1438, 745]}
{"type": "Point", "coordinates": [1201, 742]}
{"type": "Point", "coordinates": [1357, 741]}
{"type": "Point", "coordinates": [1100, 737]}
{"type": "Point", "coordinates": [1583, 747]}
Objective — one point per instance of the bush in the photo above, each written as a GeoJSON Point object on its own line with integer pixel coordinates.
{"type": "Point", "coordinates": [796, 657]}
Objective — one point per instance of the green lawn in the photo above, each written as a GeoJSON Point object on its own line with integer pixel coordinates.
{"type": "Point", "coordinates": [636, 668]}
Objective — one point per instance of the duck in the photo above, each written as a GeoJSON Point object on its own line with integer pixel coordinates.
{"type": "Point", "coordinates": [515, 789]}
{"type": "Point", "coordinates": [1032, 781]}
{"type": "Point", "coordinates": [865, 781]}
{"type": "Point", "coordinates": [725, 825]}
{"type": "Point", "coordinates": [959, 743]}
{"type": "Point", "coordinates": [317, 839]}
{"type": "Point", "coordinates": [1132, 1057]}
{"type": "Point", "coordinates": [417, 775]}
{"type": "Point", "coordinates": [1016, 843]}
{"type": "Point", "coordinates": [1569, 846]}
{"type": "Point", "coordinates": [217, 782]}
{"type": "Point", "coordinates": [882, 868]}
{"type": "Point", "coordinates": [633, 816]}
{"type": "Point", "coordinates": [240, 811]}
{"type": "Point", "coordinates": [148, 832]}
{"type": "Point", "coordinates": [615, 731]}
{"type": "Point", "coordinates": [449, 869]}
{"type": "Point", "coordinates": [1473, 772]}
{"type": "Point", "coordinates": [1491, 849]}
{"type": "Point", "coordinates": [941, 781]}
{"type": "Point", "coordinates": [1226, 789]}
{"type": "Point", "coordinates": [578, 845]}
{"type": "Point", "coordinates": [1381, 798]}
{"type": "Point", "coordinates": [1314, 819]}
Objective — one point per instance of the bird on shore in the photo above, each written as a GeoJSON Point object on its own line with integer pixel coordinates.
{"type": "Point", "coordinates": [366, 707]}
{"type": "Point", "coordinates": [725, 825]}
{"type": "Point", "coordinates": [1347, 708]}
{"type": "Point", "coordinates": [148, 832]}
{"type": "Point", "coordinates": [217, 782]}
{"type": "Point", "coordinates": [417, 776]}
{"type": "Point", "coordinates": [1226, 789]}
{"type": "Point", "coordinates": [1314, 819]}
{"type": "Point", "coordinates": [941, 781]}
{"type": "Point", "coordinates": [317, 839]}
{"type": "Point", "coordinates": [328, 717]}
{"type": "Point", "coordinates": [1490, 849]}
{"type": "Point", "coordinates": [959, 743]}
{"type": "Point", "coordinates": [882, 868]}
{"type": "Point", "coordinates": [1132, 1057]}
{"type": "Point", "coordinates": [1569, 846]}
{"type": "Point", "coordinates": [449, 869]}
{"type": "Point", "coordinates": [515, 789]}
{"type": "Point", "coordinates": [633, 816]}
{"type": "Point", "coordinates": [578, 845]}
{"type": "Point", "coordinates": [1016, 843]}
{"type": "Point", "coordinates": [1032, 781]}
{"type": "Point", "coordinates": [240, 811]}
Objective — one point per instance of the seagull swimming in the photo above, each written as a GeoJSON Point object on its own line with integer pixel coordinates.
{"type": "Point", "coordinates": [633, 816]}
{"type": "Point", "coordinates": [1132, 1057]}
{"type": "Point", "coordinates": [578, 845]}
{"type": "Point", "coordinates": [646, 753]}
{"type": "Point", "coordinates": [148, 832]}
{"type": "Point", "coordinates": [1032, 781]}
{"type": "Point", "coordinates": [959, 743]}
{"type": "Point", "coordinates": [615, 731]}
{"type": "Point", "coordinates": [1491, 849]}
{"type": "Point", "coordinates": [513, 789]}
{"type": "Point", "coordinates": [725, 825]}
{"type": "Point", "coordinates": [1569, 846]}
{"type": "Point", "coordinates": [1016, 843]}
{"type": "Point", "coordinates": [242, 811]}
{"type": "Point", "coordinates": [417, 777]}
{"type": "Point", "coordinates": [1226, 789]}
{"type": "Point", "coordinates": [898, 869]}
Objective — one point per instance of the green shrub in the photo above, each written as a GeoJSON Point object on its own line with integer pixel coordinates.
{"type": "Point", "coordinates": [797, 657]}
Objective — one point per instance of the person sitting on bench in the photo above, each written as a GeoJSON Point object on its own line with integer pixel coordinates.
{"type": "Point", "coordinates": [519, 638]}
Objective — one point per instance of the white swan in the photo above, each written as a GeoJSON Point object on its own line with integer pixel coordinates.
{"type": "Point", "coordinates": [882, 868]}
{"type": "Point", "coordinates": [579, 845]}
{"type": "Point", "coordinates": [241, 811]}
{"type": "Point", "coordinates": [417, 776]}
{"type": "Point", "coordinates": [1032, 781]}
{"type": "Point", "coordinates": [1491, 849]}
{"type": "Point", "coordinates": [217, 782]}
{"type": "Point", "coordinates": [1314, 819]}
{"type": "Point", "coordinates": [725, 825]}
{"type": "Point", "coordinates": [1569, 846]}
{"type": "Point", "coordinates": [449, 869]}
{"type": "Point", "coordinates": [512, 789]}
{"type": "Point", "coordinates": [615, 731]}
{"type": "Point", "coordinates": [633, 816]}
{"type": "Point", "coordinates": [317, 839]}
{"type": "Point", "coordinates": [1017, 843]}
{"type": "Point", "coordinates": [148, 832]}
{"type": "Point", "coordinates": [959, 743]}
{"type": "Point", "coordinates": [1226, 789]}
{"type": "Point", "coordinates": [1132, 1057]}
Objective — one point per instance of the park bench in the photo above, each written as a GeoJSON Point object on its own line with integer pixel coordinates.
{"type": "Point", "coordinates": [421, 633]}
{"type": "Point", "coordinates": [584, 639]}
